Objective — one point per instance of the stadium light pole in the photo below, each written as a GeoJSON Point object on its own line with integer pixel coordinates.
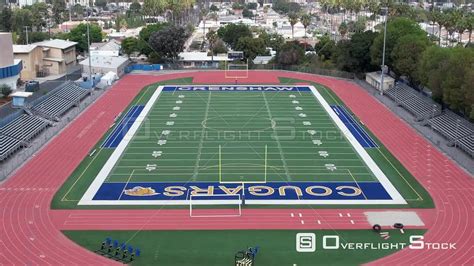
{"type": "Point", "coordinates": [385, 9]}
{"type": "Point", "coordinates": [26, 33]}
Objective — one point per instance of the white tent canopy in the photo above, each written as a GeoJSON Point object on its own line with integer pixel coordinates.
{"type": "Point", "coordinates": [108, 79]}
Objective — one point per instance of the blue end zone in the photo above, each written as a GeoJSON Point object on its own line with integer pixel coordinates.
{"type": "Point", "coordinates": [122, 128]}
{"type": "Point", "coordinates": [357, 131]}
{"type": "Point", "coordinates": [268, 191]}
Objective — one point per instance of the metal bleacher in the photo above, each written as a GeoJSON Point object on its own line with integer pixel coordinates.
{"type": "Point", "coordinates": [8, 146]}
{"type": "Point", "coordinates": [53, 107]}
{"type": "Point", "coordinates": [467, 144]}
{"type": "Point", "coordinates": [413, 102]}
{"type": "Point", "coordinates": [63, 99]}
{"type": "Point", "coordinates": [19, 131]}
{"type": "Point", "coordinates": [71, 92]}
{"type": "Point", "coordinates": [456, 130]}
{"type": "Point", "coordinates": [24, 127]}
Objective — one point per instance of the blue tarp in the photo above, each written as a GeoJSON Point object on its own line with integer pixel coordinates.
{"type": "Point", "coordinates": [152, 67]}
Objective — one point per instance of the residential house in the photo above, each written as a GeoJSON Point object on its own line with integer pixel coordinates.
{"type": "Point", "coordinates": [32, 57]}
{"type": "Point", "coordinates": [201, 60]}
{"type": "Point", "coordinates": [104, 64]}
{"type": "Point", "coordinates": [58, 55]}
{"type": "Point", "coordinates": [110, 48]}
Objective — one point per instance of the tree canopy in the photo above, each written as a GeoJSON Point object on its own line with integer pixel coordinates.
{"type": "Point", "coordinates": [449, 74]}
{"type": "Point", "coordinates": [251, 47]}
{"type": "Point", "coordinates": [396, 28]}
{"type": "Point", "coordinates": [291, 53]}
{"type": "Point", "coordinates": [231, 33]}
{"type": "Point", "coordinates": [406, 55]}
{"type": "Point", "coordinates": [352, 55]}
{"type": "Point", "coordinates": [285, 6]}
{"type": "Point", "coordinates": [79, 35]}
{"type": "Point", "coordinates": [130, 45]}
{"type": "Point", "coordinates": [144, 36]}
{"type": "Point", "coordinates": [168, 42]}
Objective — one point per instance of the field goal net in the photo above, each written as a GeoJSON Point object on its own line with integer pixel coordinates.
{"type": "Point", "coordinates": [216, 205]}
{"type": "Point", "coordinates": [236, 67]}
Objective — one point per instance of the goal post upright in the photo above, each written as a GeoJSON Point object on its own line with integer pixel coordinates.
{"type": "Point", "coordinates": [220, 164]}
{"type": "Point", "coordinates": [265, 164]}
{"type": "Point", "coordinates": [232, 57]}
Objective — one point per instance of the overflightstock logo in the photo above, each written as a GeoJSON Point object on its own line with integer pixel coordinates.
{"type": "Point", "coordinates": [306, 242]}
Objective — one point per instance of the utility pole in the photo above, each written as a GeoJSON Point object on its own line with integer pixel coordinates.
{"type": "Point", "coordinates": [89, 47]}
{"type": "Point", "coordinates": [383, 52]}
{"type": "Point", "coordinates": [26, 32]}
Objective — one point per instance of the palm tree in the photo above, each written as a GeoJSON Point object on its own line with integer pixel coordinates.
{"type": "Point", "coordinates": [469, 26]}
{"type": "Point", "coordinates": [461, 26]}
{"type": "Point", "coordinates": [343, 29]}
{"type": "Point", "coordinates": [374, 7]}
{"type": "Point", "coordinates": [154, 7]}
{"type": "Point", "coordinates": [306, 21]}
{"type": "Point", "coordinates": [325, 8]}
{"type": "Point", "coordinates": [346, 5]}
{"type": "Point", "coordinates": [211, 38]}
{"type": "Point", "coordinates": [438, 18]}
{"type": "Point", "coordinates": [449, 23]}
{"type": "Point", "coordinates": [178, 8]}
{"type": "Point", "coordinates": [203, 16]}
{"type": "Point", "coordinates": [293, 18]}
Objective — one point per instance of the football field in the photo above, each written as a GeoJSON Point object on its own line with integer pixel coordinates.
{"type": "Point", "coordinates": [269, 144]}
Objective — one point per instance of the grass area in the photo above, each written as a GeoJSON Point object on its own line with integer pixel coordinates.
{"type": "Point", "coordinates": [277, 247]}
{"type": "Point", "coordinates": [244, 126]}
{"type": "Point", "coordinates": [75, 186]}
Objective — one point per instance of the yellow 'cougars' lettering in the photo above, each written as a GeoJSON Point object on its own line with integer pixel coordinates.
{"type": "Point", "coordinates": [257, 190]}
{"type": "Point", "coordinates": [282, 191]}
{"type": "Point", "coordinates": [231, 191]}
{"type": "Point", "coordinates": [174, 191]}
{"type": "Point", "coordinates": [327, 191]}
{"type": "Point", "coordinates": [201, 191]}
{"type": "Point", "coordinates": [356, 190]}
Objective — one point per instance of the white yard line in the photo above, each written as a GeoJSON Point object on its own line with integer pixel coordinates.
{"type": "Point", "coordinates": [280, 149]}
{"type": "Point", "coordinates": [201, 141]}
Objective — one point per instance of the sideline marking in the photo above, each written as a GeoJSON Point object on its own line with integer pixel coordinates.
{"type": "Point", "coordinates": [107, 168]}
{"type": "Point", "coordinates": [88, 196]}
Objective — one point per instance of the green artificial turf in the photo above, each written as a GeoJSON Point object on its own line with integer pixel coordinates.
{"type": "Point", "coordinates": [277, 247]}
{"type": "Point", "coordinates": [195, 156]}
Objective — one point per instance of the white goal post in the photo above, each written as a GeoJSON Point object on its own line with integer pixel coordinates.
{"type": "Point", "coordinates": [213, 200]}
{"type": "Point", "coordinates": [236, 70]}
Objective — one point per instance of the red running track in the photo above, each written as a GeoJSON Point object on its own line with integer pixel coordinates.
{"type": "Point", "coordinates": [30, 230]}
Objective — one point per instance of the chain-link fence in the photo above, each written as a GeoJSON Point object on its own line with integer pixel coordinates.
{"type": "Point", "coordinates": [306, 69]}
